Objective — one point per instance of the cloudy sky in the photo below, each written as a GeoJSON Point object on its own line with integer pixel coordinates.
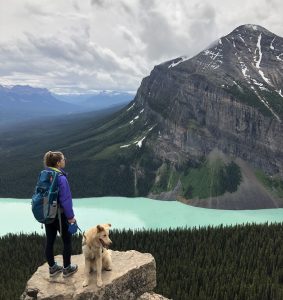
{"type": "Point", "coordinates": [73, 46]}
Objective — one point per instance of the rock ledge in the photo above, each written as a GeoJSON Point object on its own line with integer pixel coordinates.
{"type": "Point", "coordinates": [133, 277]}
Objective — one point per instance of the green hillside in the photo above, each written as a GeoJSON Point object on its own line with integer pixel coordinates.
{"type": "Point", "coordinates": [109, 154]}
{"type": "Point", "coordinates": [98, 164]}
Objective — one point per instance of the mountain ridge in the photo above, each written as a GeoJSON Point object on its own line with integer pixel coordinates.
{"type": "Point", "coordinates": [19, 103]}
{"type": "Point", "coordinates": [98, 100]}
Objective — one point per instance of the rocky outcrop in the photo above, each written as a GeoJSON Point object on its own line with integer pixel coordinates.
{"type": "Point", "coordinates": [151, 296]}
{"type": "Point", "coordinates": [133, 277]}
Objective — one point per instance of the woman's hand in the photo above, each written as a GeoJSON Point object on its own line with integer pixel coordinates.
{"type": "Point", "coordinates": [72, 221]}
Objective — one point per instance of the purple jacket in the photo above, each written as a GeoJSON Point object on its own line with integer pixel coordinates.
{"type": "Point", "coordinates": [65, 196]}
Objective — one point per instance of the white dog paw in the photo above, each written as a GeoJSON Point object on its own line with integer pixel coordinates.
{"type": "Point", "coordinates": [85, 283]}
{"type": "Point", "coordinates": [99, 283]}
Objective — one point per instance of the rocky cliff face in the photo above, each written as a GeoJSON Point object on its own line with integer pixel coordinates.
{"type": "Point", "coordinates": [225, 97]}
{"type": "Point", "coordinates": [229, 97]}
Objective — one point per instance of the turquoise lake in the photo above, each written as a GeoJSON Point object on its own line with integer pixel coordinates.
{"type": "Point", "coordinates": [134, 213]}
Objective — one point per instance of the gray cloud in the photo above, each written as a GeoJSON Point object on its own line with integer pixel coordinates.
{"type": "Point", "coordinates": [112, 44]}
{"type": "Point", "coordinates": [68, 61]}
{"type": "Point", "coordinates": [35, 9]}
{"type": "Point", "coordinates": [127, 8]}
{"type": "Point", "coordinates": [159, 37]}
{"type": "Point", "coordinates": [100, 3]}
{"type": "Point", "coordinates": [76, 5]}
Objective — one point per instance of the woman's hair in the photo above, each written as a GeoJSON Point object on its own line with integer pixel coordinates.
{"type": "Point", "coordinates": [51, 158]}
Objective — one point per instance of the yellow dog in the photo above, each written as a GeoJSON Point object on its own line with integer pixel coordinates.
{"type": "Point", "coordinates": [94, 246]}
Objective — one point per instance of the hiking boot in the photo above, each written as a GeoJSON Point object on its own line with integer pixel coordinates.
{"type": "Point", "coordinates": [55, 269]}
{"type": "Point", "coordinates": [71, 269]}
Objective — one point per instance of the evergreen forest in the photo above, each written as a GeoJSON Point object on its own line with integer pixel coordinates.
{"type": "Point", "coordinates": [243, 262]}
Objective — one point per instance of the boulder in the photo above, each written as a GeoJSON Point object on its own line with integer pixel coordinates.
{"type": "Point", "coordinates": [151, 296]}
{"type": "Point", "coordinates": [133, 276]}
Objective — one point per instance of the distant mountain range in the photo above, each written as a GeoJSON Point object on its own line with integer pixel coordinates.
{"type": "Point", "coordinates": [19, 103]}
{"type": "Point", "coordinates": [205, 130]}
{"type": "Point", "coordinates": [99, 100]}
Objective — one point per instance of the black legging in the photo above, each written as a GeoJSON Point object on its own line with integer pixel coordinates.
{"type": "Point", "coordinates": [51, 233]}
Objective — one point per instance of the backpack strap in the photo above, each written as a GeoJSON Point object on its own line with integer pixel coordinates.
{"type": "Point", "coordinates": [60, 220]}
{"type": "Point", "coordinates": [59, 173]}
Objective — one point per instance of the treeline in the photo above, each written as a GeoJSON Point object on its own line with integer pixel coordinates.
{"type": "Point", "coordinates": [222, 263]}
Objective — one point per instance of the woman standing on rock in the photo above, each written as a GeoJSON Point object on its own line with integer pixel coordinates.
{"type": "Point", "coordinates": [56, 161]}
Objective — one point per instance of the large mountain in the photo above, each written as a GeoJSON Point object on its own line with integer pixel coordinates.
{"type": "Point", "coordinates": [205, 130]}
{"type": "Point", "coordinates": [19, 103]}
{"type": "Point", "coordinates": [224, 106]}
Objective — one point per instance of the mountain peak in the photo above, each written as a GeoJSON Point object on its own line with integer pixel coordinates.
{"type": "Point", "coordinates": [250, 58]}
{"type": "Point", "coordinates": [27, 89]}
{"type": "Point", "coordinates": [251, 29]}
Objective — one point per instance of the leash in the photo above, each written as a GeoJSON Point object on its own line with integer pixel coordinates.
{"type": "Point", "coordinates": [73, 227]}
{"type": "Point", "coordinates": [79, 228]}
{"type": "Point", "coordinates": [82, 232]}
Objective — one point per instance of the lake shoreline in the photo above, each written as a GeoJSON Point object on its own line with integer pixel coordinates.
{"type": "Point", "coordinates": [133, 213]}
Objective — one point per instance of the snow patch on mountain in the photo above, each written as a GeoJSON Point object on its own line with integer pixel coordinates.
{"type": "Point", "coordinates": [271, 44]}
{"type": "Point", "coordinates": [125, 146]}
{"type": "Point", "coordinates": [257, 62]}
{"type": "Point", "coordinates": [259, 84]}
{"type": "Point", "coordinates": [264, 78]}
{"type": "Point", "coordinates": [244, 69]}
{"type": "Point", "coordinates": [216, 57]}
{"type": "Point", "coordinates": [280, 93]}
{"type": "Point", "coordinates": [265, 102]}
{"type": "Point", "coordinates": [135, 118]}
{"type": "Point", "coordinates": [259, 51]}
{"type": "Point", "coordinates": [251, 26]}
{"type": "Point", "coordinates": [139, 143]}
{"type": "Point", "coordinates": [131, 106]}
{"type": "Point", "coordinates": [181, 60]}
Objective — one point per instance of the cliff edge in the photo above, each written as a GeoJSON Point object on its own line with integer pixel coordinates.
{"type": "Point", "coordinates": [133, 277]}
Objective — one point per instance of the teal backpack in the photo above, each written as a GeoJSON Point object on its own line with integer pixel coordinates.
{"type": "Point", "coordinates": [45, 198]}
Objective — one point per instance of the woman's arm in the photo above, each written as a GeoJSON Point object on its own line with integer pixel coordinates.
{"type": "Point", "coordinates": [65, 198]}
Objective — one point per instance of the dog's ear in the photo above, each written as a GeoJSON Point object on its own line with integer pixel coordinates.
{"type": "Point", "coordinates": [99, 228]}
{"type": "Point", "coordinates": [107, 225]}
